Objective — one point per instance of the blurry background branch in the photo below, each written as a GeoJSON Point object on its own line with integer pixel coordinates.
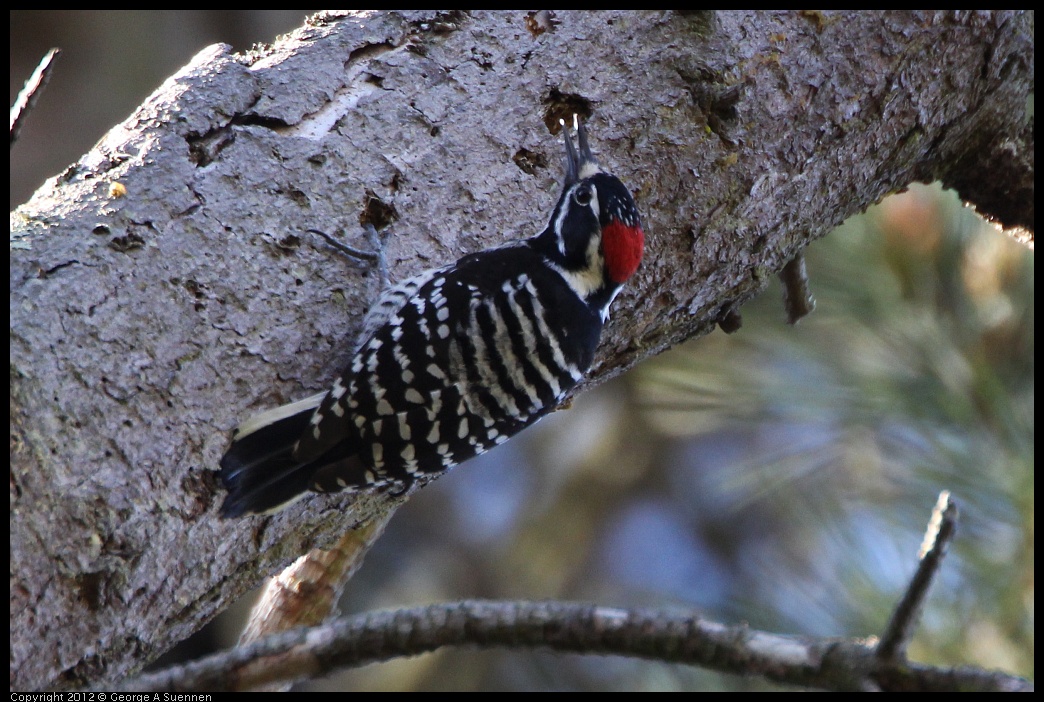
{"type": "Point", "coordinates": [669, 637]}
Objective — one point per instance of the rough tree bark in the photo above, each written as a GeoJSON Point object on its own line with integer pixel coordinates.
{"type": "Point", "coordinates": [163, 287]}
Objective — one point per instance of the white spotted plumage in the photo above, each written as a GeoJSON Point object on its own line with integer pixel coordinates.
{"type": "Point", "coordinates": [452, 361]}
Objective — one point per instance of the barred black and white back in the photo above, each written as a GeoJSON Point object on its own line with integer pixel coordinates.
{"type": "Point", "coordinates": [454, 360]}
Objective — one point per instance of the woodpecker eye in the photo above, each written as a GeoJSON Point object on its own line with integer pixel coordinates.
{"type": "Point", "coordinates": [582, 196]}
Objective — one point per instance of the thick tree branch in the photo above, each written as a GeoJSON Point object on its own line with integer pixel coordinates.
{"type": "Point", "coordinates": [163, 287]}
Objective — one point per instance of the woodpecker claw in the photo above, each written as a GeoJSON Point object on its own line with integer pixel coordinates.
{"type": "Point", "coordinates": [376, 256]}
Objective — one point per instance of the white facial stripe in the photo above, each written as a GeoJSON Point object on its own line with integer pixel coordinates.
{"type": "Point", "coordinates": [595, 207]}
{"type": "Point", "coordinates": [558, 225]}
{"type": "Point", "coordinates": [570, 202]}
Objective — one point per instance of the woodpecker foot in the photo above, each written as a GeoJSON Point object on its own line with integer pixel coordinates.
{"type": "Point", "coordinates": [374, 256]}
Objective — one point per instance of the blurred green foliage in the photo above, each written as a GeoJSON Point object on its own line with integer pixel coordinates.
{"type": "Point", "coordinates": [915, 374]}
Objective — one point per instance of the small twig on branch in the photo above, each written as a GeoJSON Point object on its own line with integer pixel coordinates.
{"type": "Point", "coordinates": [797, 296]}
{"type": "Point", "coordinates": [26, 99]}
{"type": "Point", "coordinates": [664, 636]}
{"type": "Point", "coordinates": [941, 529]}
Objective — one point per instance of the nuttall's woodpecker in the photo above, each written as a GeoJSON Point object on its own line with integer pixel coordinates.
{"type": "Point", "coordinates": [454, 360]}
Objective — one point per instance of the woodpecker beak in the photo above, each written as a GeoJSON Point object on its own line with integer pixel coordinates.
{"type": "Point", "coordinates": [584, 164]}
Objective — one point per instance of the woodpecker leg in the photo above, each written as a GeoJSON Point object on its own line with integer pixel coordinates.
{"type": "Point", "coordinates": [378, 246]}
{"type": "Point", "coordinates": [374, 256]}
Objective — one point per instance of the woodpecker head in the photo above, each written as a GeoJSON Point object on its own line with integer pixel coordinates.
{"type": "Point", "coordinates": [594, 238]}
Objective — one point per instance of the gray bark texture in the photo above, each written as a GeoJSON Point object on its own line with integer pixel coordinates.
{"type": "Point", "coordinates": [163, 287]}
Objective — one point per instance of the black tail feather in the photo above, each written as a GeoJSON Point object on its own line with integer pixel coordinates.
{"type": "Point", "coordinates": [266, 496]}
{"type": "Point", "coordinates": [259, 471]}
{"type": "Point", "coordinates": [262, 475]}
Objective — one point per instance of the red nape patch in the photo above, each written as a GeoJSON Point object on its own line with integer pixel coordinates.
{"type": "Point", "coordinates": [623, 248]}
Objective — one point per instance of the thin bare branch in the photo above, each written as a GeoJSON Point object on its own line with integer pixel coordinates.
{"type": "Point", "coordinates": [578, 628]}
{"type": "Point", "coordinates": [31, 92]}
{"type": "Point", "coordinates": [941, 529]}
